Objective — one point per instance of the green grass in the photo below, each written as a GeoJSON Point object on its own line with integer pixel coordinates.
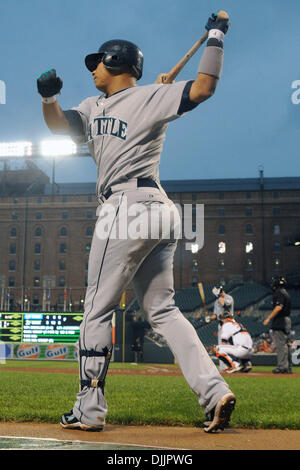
{"type": "Point", "coordinates": [59, 364]}
{"type": "Point", "coordinates": [157, 400]}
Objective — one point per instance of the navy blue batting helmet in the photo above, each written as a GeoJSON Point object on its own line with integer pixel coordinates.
{"type": "Point", "coordinates": [117, 54]}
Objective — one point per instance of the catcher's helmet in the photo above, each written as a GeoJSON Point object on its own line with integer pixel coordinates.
{"type": "Point", "coordinates": [278, 281]}
{"type": "Point", "coordinates": [117, 54]}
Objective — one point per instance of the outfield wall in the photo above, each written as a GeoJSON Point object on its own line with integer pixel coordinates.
{"type": "Point", "coordinates": [153, 354]}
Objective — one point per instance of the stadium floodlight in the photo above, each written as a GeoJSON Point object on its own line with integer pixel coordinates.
{"type": "Point", "coordinates": [222, 247]}
{"type": "Point", "coordinates": [249, 247]}
{"type": "Point", "coordinates": [15, 149]}
{"type": "Point", "coordinates": [56, 148]}
{"type": "Point", "coordinates": [194, 247]}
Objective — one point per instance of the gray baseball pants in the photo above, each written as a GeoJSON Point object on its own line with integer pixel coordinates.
{"type": "Point", "coordinates": [116, 261]}
{"type": "Point", "coordinates": [281, 339]}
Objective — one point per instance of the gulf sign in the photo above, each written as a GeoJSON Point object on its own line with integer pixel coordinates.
{"type": "Point", "coordinates": [28, 351]}
{"type": "Point", "coordinates": [56, 351]}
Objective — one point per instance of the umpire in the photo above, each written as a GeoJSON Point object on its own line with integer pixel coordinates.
{"type": "Point", "coordinates": [138, 332]}
{"type": "Point", "coordinates": [281, 325]}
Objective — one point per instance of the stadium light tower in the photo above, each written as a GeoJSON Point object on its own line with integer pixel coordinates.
{"type": "Point", "coordinates": [15, 149]}
{"type": "Point", "coordinates": [46, 148]}
{"type": "Point", "coordinates": [57, 148]}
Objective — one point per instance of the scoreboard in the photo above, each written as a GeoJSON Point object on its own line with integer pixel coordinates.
{"type": "Point", "coordinates": [18, 327]}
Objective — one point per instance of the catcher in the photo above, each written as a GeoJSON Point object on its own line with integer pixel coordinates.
{"type": "Point", "coordinates": [236, 346]}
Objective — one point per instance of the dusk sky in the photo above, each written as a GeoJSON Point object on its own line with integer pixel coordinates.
{"type": "Point", "coordinates": [250, 121]}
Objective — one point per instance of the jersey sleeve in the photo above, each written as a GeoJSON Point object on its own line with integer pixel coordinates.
{"type": "Point", "coordinates": [186, 104]}
{"type": "Point", "coordinates": [168, 102]}
{"type": "Point", "coordinates": [78, 118]}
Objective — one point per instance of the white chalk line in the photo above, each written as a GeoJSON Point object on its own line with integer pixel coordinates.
{"type": "Point", "coordinates": [88, 442]}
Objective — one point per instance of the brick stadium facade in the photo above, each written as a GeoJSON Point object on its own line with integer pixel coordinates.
{"type": "Point", "coordinates": [250, 230]}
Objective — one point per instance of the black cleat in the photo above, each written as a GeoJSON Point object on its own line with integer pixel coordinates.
{"type": "Point", "coordinates": [69, 421]}
{"type": "Point", "coordinates": [280, 371]}
{"type": "Point", "coordinates": [246, 367]}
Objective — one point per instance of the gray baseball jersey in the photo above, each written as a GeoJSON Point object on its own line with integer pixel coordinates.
{"type": "Point", "coordinates": [125, 131]}
{"type": "Point", "coordinates": [125, 134]}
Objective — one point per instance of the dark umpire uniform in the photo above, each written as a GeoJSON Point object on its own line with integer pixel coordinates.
{"type": "Point", "coordinates": [138, 329]}
{"type": "Point", "coordinates": [281, 325]}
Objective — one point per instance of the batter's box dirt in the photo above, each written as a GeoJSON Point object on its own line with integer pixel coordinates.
{"type": "Point", "coordinates": [163, 437]}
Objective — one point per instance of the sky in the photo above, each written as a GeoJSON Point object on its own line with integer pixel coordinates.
{"type": "Point", "coordinates": [252, 121]}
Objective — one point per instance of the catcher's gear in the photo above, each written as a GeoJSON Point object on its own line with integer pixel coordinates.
{"type": "Point", "coordinates": [118, 55]}
{"type": "Point", "coordinates": [217, 23]}
{"type": "Point", "coordinates": [278, 281]}
{"type": "Point", "coordinates": [48, 84]}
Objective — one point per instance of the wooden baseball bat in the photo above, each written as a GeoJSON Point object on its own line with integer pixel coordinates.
{"type": "Point", "coordinates": [202, 295]}
{"type": "Point", "coordinates": [222, 14]}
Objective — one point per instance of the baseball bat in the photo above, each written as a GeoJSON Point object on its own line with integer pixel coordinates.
{"type": "Point", "coordinates": [202, 295]}
{"type": "Point", "coordinates": [222, 14]}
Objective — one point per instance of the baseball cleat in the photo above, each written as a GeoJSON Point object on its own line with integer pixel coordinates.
{"type": "Point", "coordinates": [69, 421]}
{"type": "Point", "coordinates": [231, 370]}
{"type": "Point", "coordinates": [220, 415]}
{"type": "Point", "coordinates": [280, 371]}
{"type": "Point", "coordinates": [247, 367]}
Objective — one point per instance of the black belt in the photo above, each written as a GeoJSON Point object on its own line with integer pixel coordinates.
{"type": "Point", "coordinates": [141, 183]}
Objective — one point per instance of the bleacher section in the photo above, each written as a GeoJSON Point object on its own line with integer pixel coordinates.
{"type": "Point", "coordinates": [249, 294]}
{"type": "Point", "coordinates": [189, 299]}
{"type": "Point", "coordinates": [295, 300]}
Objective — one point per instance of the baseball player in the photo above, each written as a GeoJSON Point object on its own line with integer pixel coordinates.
{"type": "Point", "coordinates": [124, 127]}
{"type": "Point", "coordinates": [224, 303]}
{"type": "Point", "coordinates": [236, 346]}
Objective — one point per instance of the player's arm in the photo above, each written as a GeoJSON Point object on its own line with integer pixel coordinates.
{"type": "Point", "coordinates": [55, 118]}
{"type": "Point", "coordinates": [49, 85]}
{"type": "Point", "coordinates": [210, 67]}
{"type": "Point", "coordinates": [273, 314]}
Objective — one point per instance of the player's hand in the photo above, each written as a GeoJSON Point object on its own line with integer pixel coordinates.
{"type": "Point", "coordinates": [161, 78]}
{"type": "Point", "coordinates": [216, 23]}
{"type": "Point", "coordinates": [266, 322]}
{"type": "Point", "coordinates": [48, 84]}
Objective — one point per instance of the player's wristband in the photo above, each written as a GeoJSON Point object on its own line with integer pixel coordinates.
{"type": "Point", "coordinates": [49, 100]}
{"type": "Point", "coordinates": [216, 34]}
{"type": "Point", "coordinates": [211, 62]}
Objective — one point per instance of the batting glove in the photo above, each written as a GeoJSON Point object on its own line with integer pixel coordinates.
{"type": "Point", "coordinates": [48, 84]}
{"type": "Point", "coordinates": [216, 23]}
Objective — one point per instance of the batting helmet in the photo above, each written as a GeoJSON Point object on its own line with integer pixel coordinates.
{"type": "Point", "coordinates": [278, 281]}
{"type": "Point", "coordinates": [217, 291]}
{"type": "Point", "coordinates": [117, 54]}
